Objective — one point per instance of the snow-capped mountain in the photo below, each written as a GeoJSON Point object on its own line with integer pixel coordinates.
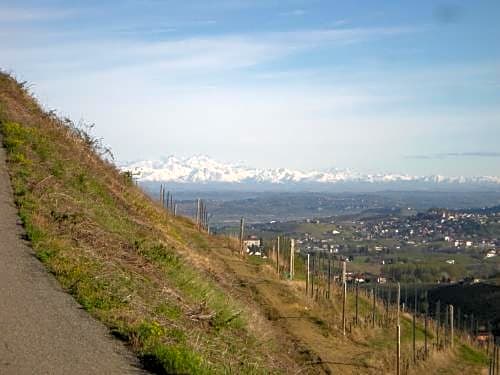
{"type": "Point", "coordinates": [204, 170]}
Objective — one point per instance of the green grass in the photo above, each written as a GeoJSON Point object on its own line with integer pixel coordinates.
{"type": "Point", "coordinates": [472, 356]}
{"type": "Point", "coordinates": [192, 285]}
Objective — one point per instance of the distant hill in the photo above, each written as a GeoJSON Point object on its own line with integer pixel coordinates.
{"type": "Point", "coordinates": [231, 205]}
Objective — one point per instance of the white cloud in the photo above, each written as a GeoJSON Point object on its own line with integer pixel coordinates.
{"type": "Point", "coordinates": [188, 54]}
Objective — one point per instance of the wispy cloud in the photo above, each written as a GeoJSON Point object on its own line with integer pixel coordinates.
{"type": "Point", "coordinates": [341, 22]}
{"type": "Point", "coordinates": [13, 14]}
{"type": "Point", "coordinates": [191, 53]}
{"type": "Point", "coordinates": [136, 31]}
{"type": "Point", "coordinates": [477, 154]}
{"type": "Point", "coordinates": [294, 13]}
{"type": "Point", "coordinates": [204, 22]}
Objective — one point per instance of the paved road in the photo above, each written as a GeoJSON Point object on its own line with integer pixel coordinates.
{"type": "Point", "coordinates": [42, 329]}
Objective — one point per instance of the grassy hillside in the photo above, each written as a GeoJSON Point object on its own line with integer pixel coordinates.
{"type": "Point", "coordinates": [123, 258]}
{"type": "Point", "coordinates": [184, 301]}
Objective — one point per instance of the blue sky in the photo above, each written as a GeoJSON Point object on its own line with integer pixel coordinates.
{"type": "Point", "coordinates": [376, 86]}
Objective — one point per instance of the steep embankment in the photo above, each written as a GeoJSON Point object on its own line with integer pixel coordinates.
{"type": "Point", "coordinates": [184, 301]}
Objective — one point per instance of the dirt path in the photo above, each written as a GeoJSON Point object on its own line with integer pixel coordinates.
{"type": "Point", "coordinates": [295, 317]}
{"type": "Point", "coordinates": [42, 329]}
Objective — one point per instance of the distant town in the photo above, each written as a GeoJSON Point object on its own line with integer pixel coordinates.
{"type": "Point", "coordinates": [454, 245]}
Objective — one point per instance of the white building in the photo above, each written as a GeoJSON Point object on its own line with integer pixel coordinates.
{"type": "Point", "coordinates": [490, 254]}
{"type": "Point", "coordinates": [251, 242]}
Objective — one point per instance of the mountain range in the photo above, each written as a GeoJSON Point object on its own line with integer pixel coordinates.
{"type": "Point", "coordinates": [203, 170]}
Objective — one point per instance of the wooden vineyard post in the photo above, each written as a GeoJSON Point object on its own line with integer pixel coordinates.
{"type": "Point", "coordinates": [313, 274]}
{"type": "Point", "coordinates": [426, 345]}
{"type": "Point", "coordinates": [398, 333]}
{"type": "Point", "coordinates": [493, 362]}
{"type": "Point", "coordinates": [344, 272]}
{"type": "Point", "coordinates": [459, 319]}
{"type": "Point", "coordinates": [490, 339]}
{"type": "Point", "coordinates": [472, 327]}
{"type": "Point", "coordinates": [373, 307]}
{"type": "Point", "coordinates": [344, 300]}
{"type": "Point", "coordinates": [438, 321]}
{"type": "Point", "coordinates": [292, 259]}
{"type": "Point", "coordinates": [175, 209]}
{"type": "Point", "coordinates": [414, 338]}
{"type": "Point", "coordinates": [387, 302]}
{"type": "Point", "coordinates": [497, 366]}
{"type": "Point", "coordinates": [398, 349]}
{"type": "Point", "coordinates": [451, 326]}
{"type": "Point", "coordinates": [202, 214]}
{"type": "Point", "coordinates": [414, 329]}
{"type": "Point", "coordinates": [198, 206]}
{"type": "Point", "coordinates": [494, 367]}
{"type": "Point", "coordinates": [357, 304]}
{"type": "Point", "coordinates": [398, 301]}
{"type": "Point", "coordinates": [278, 258]}
{"type": "Point", "coordinates": [242, 234]}
{"type": "Point", "coordinates": [161, 194]}
{"type": "Point", "coordinates": [406, 298]}
{"type": "Point", "coordinates": [329, 274]}
{"type": "Point", "coordinates": [446, 325]}
{"type": "Point", "coordinates": [206, 218]}
{"type": "Point", "coordinates": [308, 281]}
{"type": "Point", "coordinates": [490, 362]}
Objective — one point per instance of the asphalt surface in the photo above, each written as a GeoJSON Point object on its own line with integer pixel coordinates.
{"type": "Point", "coordinates": [42, 329]}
